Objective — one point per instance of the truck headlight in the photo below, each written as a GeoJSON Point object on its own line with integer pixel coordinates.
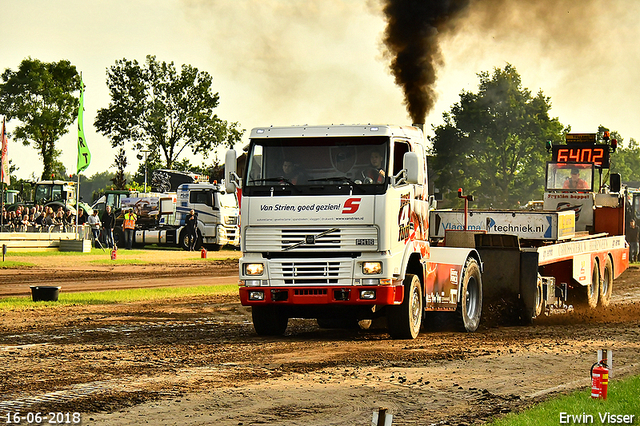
{"type": "Point", "coordinates": [256, 295]}
{"type": "Point", "coordinates": [370, 268]}
{"type": "Point", "coordinates": [367, 294]}
{"type": "Point", "coordinates": [254, 268]}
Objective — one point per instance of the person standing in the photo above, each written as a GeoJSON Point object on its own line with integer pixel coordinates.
{"type": "Point", "coordinates": [82, 217]}
{"type": "Point", "coordinates": [108, 223]}
{"type": "Point", "coordinates": [632, 234]}
{"type": "Point", "coordinates": [129, 226]}
{"type": "Point", "coordinates": [191, 223]}
{"type": "Point", "coordinates": [68, 220]}
{"type": "Point", "coordinates": [94, 223]}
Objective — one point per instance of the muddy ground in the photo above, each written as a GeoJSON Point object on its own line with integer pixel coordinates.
{"type": "Point", "coordinates": [197, 361]}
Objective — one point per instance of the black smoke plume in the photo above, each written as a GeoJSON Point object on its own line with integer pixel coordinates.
{"type": "Point", "coordinates": [412, 37]}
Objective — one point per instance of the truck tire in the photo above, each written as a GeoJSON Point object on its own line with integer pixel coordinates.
{"type": "Point", "coordinates": [184, 241]}
{"type": "Point", "coordinates": [585, 297]}
{"type": "Point", "coordinates": [469, 308]}
{"type": "Point", "coordinates": [269, 320]}
{"type": "Point", "coordinates": [539, 304]}
{"type": "Point", "coordinates": [606, 285]}
{"type": "Point", "coordinates": [404, 321]}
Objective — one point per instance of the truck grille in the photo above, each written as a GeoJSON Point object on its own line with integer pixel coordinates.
{"type": "Point", "coordinates": [310, 239]}
{"type": "Point", "coordinates": [306, 272]}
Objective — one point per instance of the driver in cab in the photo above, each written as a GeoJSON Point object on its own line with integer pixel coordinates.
{"type": "Point", "coordinates": [375, 173]}
{"type": "Point", "coordinates": [575, 181]}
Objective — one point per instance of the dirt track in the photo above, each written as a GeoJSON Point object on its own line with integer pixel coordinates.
{"type": "Point", "coordinates": [198, 361]}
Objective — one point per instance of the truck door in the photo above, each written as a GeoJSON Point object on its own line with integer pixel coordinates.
{"type": "Point", "coordinates": [201, 200]}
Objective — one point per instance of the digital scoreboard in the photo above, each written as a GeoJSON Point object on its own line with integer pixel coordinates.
{"type": "Point", "coordinates": [582, 153]}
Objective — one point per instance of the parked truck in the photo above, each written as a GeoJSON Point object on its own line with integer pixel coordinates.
{"type": "Point", "coordinates": [161, 216]}
{"type": "Point", "coordinates": [349, 241]}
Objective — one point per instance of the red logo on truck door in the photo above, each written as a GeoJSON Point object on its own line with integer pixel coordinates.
{"type": "Point", "coordinates": [351, 206]}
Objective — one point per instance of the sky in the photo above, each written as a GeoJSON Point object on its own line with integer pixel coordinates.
{"type": "Point", "coordinates": [294, 62]}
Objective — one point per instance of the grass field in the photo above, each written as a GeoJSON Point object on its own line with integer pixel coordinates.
{"type": "Point", "coordinates": [151, 254]}
{"type": "Point", "coordinates": [116, 296]}
{"type": "Point", "coordinates": [579, 408]}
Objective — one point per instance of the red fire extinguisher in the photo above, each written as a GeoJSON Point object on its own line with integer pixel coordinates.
{"type": "Point", "coordinates": [203, 253]}
{"type": "Point", "coordinates": [599, 380]}
{"type": "Point", "coordinates": [114, 254]}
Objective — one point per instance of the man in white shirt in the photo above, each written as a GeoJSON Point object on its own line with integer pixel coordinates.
{"type": "Point", "coordinates": [94, 223]}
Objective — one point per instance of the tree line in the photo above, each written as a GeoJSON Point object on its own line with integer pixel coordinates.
{"type": "Point", "coordinates": [492, 144]}
{"type": "Point", "coordinates": [154, 107]}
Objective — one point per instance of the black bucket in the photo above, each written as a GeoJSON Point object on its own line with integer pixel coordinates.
{"type": "Point", "coordinates": [44, 293]}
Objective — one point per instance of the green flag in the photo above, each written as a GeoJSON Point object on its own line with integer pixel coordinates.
{"type": "Point", "coordinates": [84, 156]}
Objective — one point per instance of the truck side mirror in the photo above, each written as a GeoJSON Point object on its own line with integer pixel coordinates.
{"type": "Point", "coordinates": [231, 179]}
{"type": "Point", "coordinates": [411, 164]}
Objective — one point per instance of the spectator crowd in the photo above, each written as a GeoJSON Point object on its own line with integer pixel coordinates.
{"type": "Point", "coordinates": [40, 219]}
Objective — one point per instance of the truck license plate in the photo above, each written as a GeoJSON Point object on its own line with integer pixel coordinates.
{"type": "Point", "coordinates": [364, 241]}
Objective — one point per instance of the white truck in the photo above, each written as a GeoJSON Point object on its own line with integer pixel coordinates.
{"type": "Point", "coordinates": [323, 239]}
{"type": "Point", "coordinates": [162, 217]}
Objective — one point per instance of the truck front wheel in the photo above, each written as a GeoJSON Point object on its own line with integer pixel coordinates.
{"type": "Point", "coordinates": [184, 241]}
{"type": "Point", "coordinates": [269, 320]}
{"type": "Point", "coordinates": [404, 321]}
{"type": "Point", "coordinates": [470, 305]}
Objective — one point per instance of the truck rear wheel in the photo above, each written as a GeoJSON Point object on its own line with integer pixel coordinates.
{"type": "Point", "coordinates": [539, 303]}
{"type": "Point", "coordinates": [470, 305]}
{"type": "Point", "coordinates": [587, 296]}
{"type": "Point", "coordinates": [404, 321]}
{"type": "Point", "coordinates": [269, 320]}
{"type": "Point", "coordinates": [606, 285]}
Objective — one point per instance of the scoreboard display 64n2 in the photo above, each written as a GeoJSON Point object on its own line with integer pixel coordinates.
{"type": "Point", "coordinates": [580, 153]}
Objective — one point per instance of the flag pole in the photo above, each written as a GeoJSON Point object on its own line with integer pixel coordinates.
{"type": "Point", "coordinates": [2, 212]}
{"type": "Point", "coordinates": [3, 146]}
{"type": "Point", "coordinates": [84, 155]}
{"type": "Point", "coordinates": [80, 108]}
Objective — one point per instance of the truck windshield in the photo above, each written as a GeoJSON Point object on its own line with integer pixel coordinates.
{"type": "Point", "coordinates": [331, 165]}
{"type": "Point", "coordinates": [227, 200]}
{"type": "Point", "coordinates": [567, 177]}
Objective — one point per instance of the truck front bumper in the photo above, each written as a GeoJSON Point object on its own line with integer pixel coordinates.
{"type": "Point", "coordinates": [354, 295]}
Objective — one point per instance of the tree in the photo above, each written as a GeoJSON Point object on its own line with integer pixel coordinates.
{"type": "Point", "coordinates": [40, 95]}
{"type": "Point", "coordinates": [155, 108]}
{"type": "Point", "coordinates": [119, 180]}
{"type": "Point", "coordinates": [492, 143]}
{"type": "Point", "coordinates": [626, 159]}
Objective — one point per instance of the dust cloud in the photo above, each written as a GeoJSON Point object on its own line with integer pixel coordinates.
{"type": "Point", "coordinates": [564, 29]}
{"type": "Point", "coordinates": [339, 61]}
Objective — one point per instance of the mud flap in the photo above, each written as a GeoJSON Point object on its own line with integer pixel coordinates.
{"type": "Point", "coordinates": [509, 279]}
{"type": "Point", "coordinates": [528, 284]}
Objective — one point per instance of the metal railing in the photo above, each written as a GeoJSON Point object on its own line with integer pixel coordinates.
{"type": "Point", "coordinates": [83, 231]}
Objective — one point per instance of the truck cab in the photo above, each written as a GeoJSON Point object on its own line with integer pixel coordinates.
{"type": "Point", "coordinates": [217, 213]}
{"type": "Point", "coordinates": [335, 227]}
